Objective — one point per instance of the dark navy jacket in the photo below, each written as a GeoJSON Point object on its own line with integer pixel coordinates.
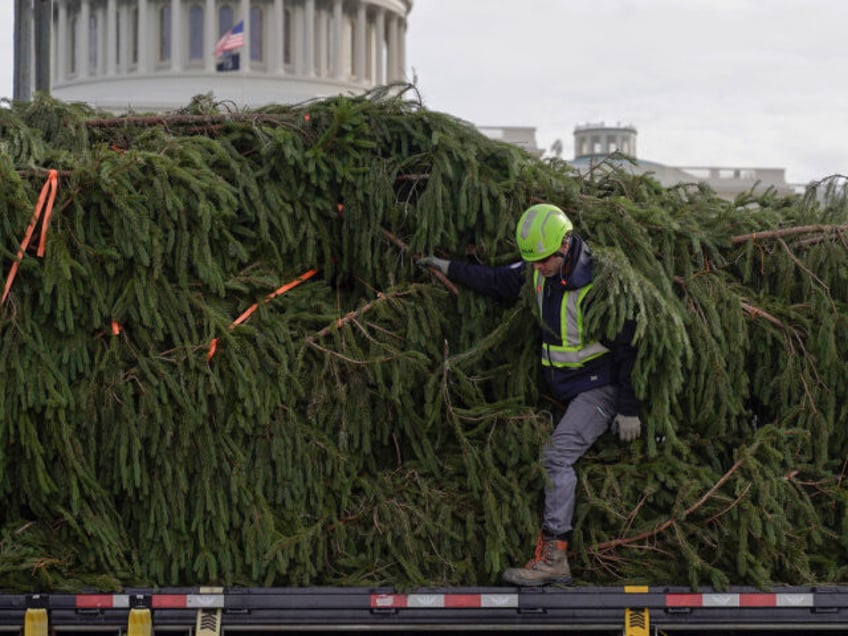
{"type": "Point", "coordinates": [614, 368]}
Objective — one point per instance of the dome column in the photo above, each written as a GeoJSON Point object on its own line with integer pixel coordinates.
{"type": "Point", "coordinates": [309, 39]}
{"type": "Point", "coordinates": [359, 42]}
{"type": "Point", "coordinates": [99, 44]}
{"type": "Point", "coordinates": [210, 37]}
{"type": "Point", "coordinates": [338, 37]}
{"type": "Point", "coordinates": [82, 41]}
{"type": "Point", "coordinates": [60, 72]}
{"type": "Point", "coordinates": [141, 36]}
{"type": "Point", "coordinates": [392, 64]}
{"type": "Point", "coordinates": [122, 45]}
{"type": "Point", "coordinates": [379, 46]}
{"type": "Point", "coordinates": [244, 58]}
{"type": "Point", "coordinates": [401, 48]}
{"type": "Point", "coordinates": [177, 40]}
{"type": "Point", "coordinates": [278, 38]}
{"type": "Point", "coordinates": [111, 37]}
{"type": "Point", "coordinates": [322, 41]}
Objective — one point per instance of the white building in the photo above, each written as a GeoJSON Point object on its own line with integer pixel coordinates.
{"type": "Point", "coordinates": [594, 143]}
{"type": "Point", "coordinates": [152, 55]}
{"type": "Point", "coordinates": [600, 143]}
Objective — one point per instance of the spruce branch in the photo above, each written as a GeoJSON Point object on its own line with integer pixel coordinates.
{"type": "Point", "coordinates": [824, 230]}
{"type": "Point", "coordinates": [40, 172]}
{"type": "Point", "coordinates": [755, 312]}
{"type": "Point", "coordinates": [444, 279]}
{"type": "Point", "coordinates": [673, 521]}
{"type": "Point", "coordinates": [807, 270]}
{"type": "Point", "coordinates": [353, 315]}
{"type": "Point", "coordinates": [730, 506]}
{"type": "Point", "coordinates": [791, 335]}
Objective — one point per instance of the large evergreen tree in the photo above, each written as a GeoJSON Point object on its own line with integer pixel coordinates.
{"type": "Point", "coordinates": [224, 367]}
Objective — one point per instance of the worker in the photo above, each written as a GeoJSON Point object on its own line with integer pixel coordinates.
{"type": "Point", "coordinates": [592, 380]}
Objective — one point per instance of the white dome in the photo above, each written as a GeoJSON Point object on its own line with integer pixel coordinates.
{"type": "Point", "coordinates": [153, 55]}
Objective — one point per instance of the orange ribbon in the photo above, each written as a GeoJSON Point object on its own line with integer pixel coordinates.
{"type": "Point", "coordinates": [247, 313]}
{"type": "Point", "coordinates": [43, 212]}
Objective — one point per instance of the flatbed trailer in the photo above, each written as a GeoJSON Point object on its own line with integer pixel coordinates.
{"type": "Point", "coordinates": [631, 611]}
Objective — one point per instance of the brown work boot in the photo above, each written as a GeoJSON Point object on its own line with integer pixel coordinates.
{"type": "Point", "coordinates": [550, 565]}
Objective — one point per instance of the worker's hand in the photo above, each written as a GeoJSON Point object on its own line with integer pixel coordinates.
{"type": "Point", "coordinates": [431, 261]}
{"type": "Point", "coordinates": [629, 427]}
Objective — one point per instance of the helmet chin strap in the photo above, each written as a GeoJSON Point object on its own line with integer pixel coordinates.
{"type": "Point", "coordinates": [563, 256]}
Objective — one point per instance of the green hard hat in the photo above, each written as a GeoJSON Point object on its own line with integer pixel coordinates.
{"type": "Point", "coordinates": [540, 231]}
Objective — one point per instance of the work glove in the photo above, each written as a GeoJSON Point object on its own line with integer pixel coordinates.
{"type": "Point", "coordinates": [431, 261]}
{"type": "Point", "coordinates": [629, 427]}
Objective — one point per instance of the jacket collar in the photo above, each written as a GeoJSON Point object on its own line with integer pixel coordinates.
{"type": "Point", "coordinates": [577, 270]}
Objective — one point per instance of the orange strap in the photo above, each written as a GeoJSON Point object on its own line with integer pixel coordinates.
{"type": "Point", "coordinates": [43, 212]}
{"type": "Point", "coordinates": [247, 313]}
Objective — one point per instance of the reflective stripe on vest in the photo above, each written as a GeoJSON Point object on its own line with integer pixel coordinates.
{"type": "Point", "coordinates": [573, 352]}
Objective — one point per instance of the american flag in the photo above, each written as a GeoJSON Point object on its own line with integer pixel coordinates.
{"type": "Point", "coordinates": [231, 40]}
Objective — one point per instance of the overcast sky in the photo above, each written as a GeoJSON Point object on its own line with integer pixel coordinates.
{"type": "Point", "coordinates": [749, 83]}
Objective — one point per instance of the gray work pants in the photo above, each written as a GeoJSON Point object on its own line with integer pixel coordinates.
{"type": "Point", "coordinates": [587, 418]}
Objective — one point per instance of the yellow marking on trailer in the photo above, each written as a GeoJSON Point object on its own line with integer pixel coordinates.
{"type": "Point", "coordinates": [209, 620]}
{"type": "Point", "coordinates": [35, 622]}
{"type": "Point", "coordinates": [140, 622]}
{"type": "Point", "coordinates": [637, 622]}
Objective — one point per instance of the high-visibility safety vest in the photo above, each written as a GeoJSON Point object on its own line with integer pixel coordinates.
{"type": "Point", "coordinates": [573, 352]}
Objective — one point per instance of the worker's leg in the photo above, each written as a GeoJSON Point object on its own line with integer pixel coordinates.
{"type": "Point", "coordinates": [587, 418]}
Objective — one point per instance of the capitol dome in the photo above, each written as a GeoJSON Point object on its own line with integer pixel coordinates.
{"type": "Point", "coordinates": [153, 55]}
